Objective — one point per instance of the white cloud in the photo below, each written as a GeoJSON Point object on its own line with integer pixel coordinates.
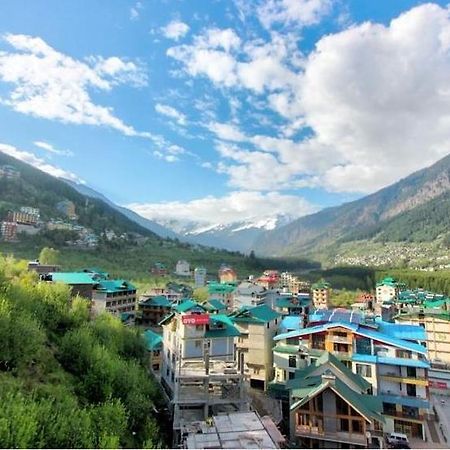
{"type": "Point", "coordinates": [39, 163]}
{"type": "Point", "coordinates": [175, 30]}
{"type": "Point", "coordinates": [171, 112]}
{"type": "Point", "coordinates": [54, 86]}
{"type": "Point", "coordinates": [49, 148]}
{"type": "Point", "coordinates": [293, 12]}
{"type": "Point", "coordinates": [169, 152]}
{"type": "Point", "coordinates": [227, 131]}
{"type": "Point", "coordinates": [135, 11]}
{"type": "Point", "coordinates": [239, 206]}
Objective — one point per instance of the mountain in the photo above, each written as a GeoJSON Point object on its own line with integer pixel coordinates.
{"type": "Point", "coordinates": [38, 189]}
{"type": "Point", "coordinates": [141, 221]}
{"type": "Point", "coordinates": [415, 209]}
{"type": "Point", "coordinates": [236, 236]}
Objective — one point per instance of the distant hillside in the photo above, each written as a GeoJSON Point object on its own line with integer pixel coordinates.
{"type": "Point", "coordinates": [415, 209]}
{"type": "Point", "coordinates": [148, 224]}
{"type": "Point", "coordinates": [39, 190]}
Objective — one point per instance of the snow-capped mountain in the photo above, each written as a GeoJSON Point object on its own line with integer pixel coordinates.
{"type": "Point", "coordinates": [236, 236]}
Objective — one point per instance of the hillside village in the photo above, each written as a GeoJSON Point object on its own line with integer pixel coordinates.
{"type": "Point", "coordinates": [269, 361]}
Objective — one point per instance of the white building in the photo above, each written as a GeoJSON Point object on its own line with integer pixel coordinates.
{"type": "Point", "coordinates": [182, 268]}
{"type": "Point", "coordinates": [249, 294]}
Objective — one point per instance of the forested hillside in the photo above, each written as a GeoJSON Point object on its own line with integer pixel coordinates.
{"type": "Point", "coordinates": [67, 381]}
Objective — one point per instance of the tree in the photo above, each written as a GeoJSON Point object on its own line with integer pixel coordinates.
{"type": "Point", "coordinates": [49, 255]}
{"type": "Point", "coordinates": [200, 295]}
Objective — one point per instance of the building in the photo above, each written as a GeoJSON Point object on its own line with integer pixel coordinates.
{"type": "Point", "coordinates": [200, 372]}
{"type": "Point", "coordinates": [215, 306]}
{"type": "Point", "coordinates": [154, 346]}
{"type": "Point", "coordinates": [24, 218]}
{"type": "Point", "coordinates": [290, 305]}
{"type": "Point", "coordinates": [227, 275]}
{"type": "Point", "coordinates": [257, 326]}
{"type": "Point", "coordinates": [152, 309]}
{"type": "Point", "coordinates": [239, 430]}
{"type": "Point", "coordinates": [159, 269]}
{"type": "Point", "coordinates": [42, 269]}
{"type": "Point", "coordinates": [389, 356]}
{"type": "Point", "coordinates": [436, 322]}
{"type": "Point", "coordinates": [183, 269]}
{"type": "Point", "coordinates": [67, 208]}
{"type": "Point", "coordinates": [81, 283]}
{"type": "Point", "coordinates": [9, 231]}
{"type": "Point", "coordinates": [223, 292]}
{"type": "Point", "coordinates": [364, 302]}
{"type": "Point", "coordinates": [269, 280]}
{"type": "Point", "coordinates": [293, 284]}
{"type": "Point", "coordinates": [114, 296]}
{"type": "Point", "coordinates": [32, 211]}
{"type": "Point", "coordinates": [9, 172]}
{"type": "Point", "coordinates": [321, 295]}
{"type": "Point", "coordinates": [174, 292]}
{"type": "Point", "coordinates": [329, 409]}
{"type": "Point", "coordinates": [199, 277]}
{"type": "Point", "coordinates": [387, 289]}
{"type": "Point", "coordinates": [249, 294]}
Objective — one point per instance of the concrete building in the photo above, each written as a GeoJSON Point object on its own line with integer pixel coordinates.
{"type": "Point", "coordinates": [152, 309]}
{"type": "Point", "coordinates": [159, 269]}
{"type": "Point", "coordinates": [321, 295]}
{"type": "Point", "coordinates": [154, 346]}
{"type": "Point", "coordinates": [227, 275]}
{"type": "Point", "coordinates": [293, 305]}
{"type": "Point", "coordinates": [200, 372]}
{"type": "Point", "coordinates": [239, 430]}
{"type": "Point", "coordinates": [21, 217]}
{"type": "Point", "coordinates": [249, 294]}
{"type": "Point", "coordinates": [9, 231]}
{"type": "Point", "coordinates": [42, 269]}
{"type": "Point", "coordinates": [174, 292]}
{"type": "Point", "coordinates": [389, 356]}
{"type": "Point", "coordinates": [436, 323]}
{"type": "Point", "coordinates": [114, 296]}
{"type": "Point", "coordinates": [183, 269]}
{"type": "Point", "coordinates": [387, 289]}
{"type": "Point", "coordinates": [257, 326]}
{"type": "Point", "coordinates": [269, 280]}
{"type": "Point", "coordinates": [199, 277]}
{"type": "Point", "coordinates": [224, 292]}
{"type": "Point", "coordinates": [293, 284]}
{"type": "Point", "coordinates": [81, 283]}
{"type": "Point", "coordinates": [32, 211]}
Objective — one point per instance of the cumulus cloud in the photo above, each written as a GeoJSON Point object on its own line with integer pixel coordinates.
{"type": "Point", "coordinates": [293, 12]}
{"type": "Point", "coordinates": [239, 206]}
{"type": "Point", "coordinates": [372, 102]}
{"type": "Point", "coordinates": [39, 163]}
{"type": "Point", "coordinates": [169, 152]}
{"type": "Point", "coordinates": [175, 30]}
{"type": "Point", "coordinates": [52, 85]}
{"type": "Point", "coordinates": [172, 113]}
{"type": "Point", "coordinates": [50, 148]}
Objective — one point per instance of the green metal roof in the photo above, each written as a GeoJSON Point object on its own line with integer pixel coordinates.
{"type": "Point", "coordinates": [221, 288]}
{"type": "Point", "coordinates": [215, 305]}
{"type": "Point", "coordinates": [158, 300]}
{"type": "Point", "coordinates": [290, 349]}
{"type": "Point", "coordinates": [111, 286]}
{"type": "Point", "coordinates": [291, 302]}
{"type": "Point", "coordinates": [255, 314]}
{"type": "Point", "coordinates": [153, 340]}
{"type": "Point", "coordinates": [187, 305]}
{"type": "Point", "coordinates": [73, 278]}
{"type": "Point", "coordinates": [228, 330]}
{"type": "Point", "coordinates": [321, 285]}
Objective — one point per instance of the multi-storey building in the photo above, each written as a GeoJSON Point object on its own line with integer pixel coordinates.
{"type": "Point", "coordinates": [321, 295]}
{"type": "Point", "coordinates": [293, 305]}
{"type": "Point", "coordinates": [23, 217]}
{"type": "Point", "coordinates": [30, 210]}
{"type": "Point", "coordinates": [42, 269]}
{"type": "Point", "coordinates": [223, 292]}
{"type": "Point", "coordinates": [174, 292]}
{"type": "Point", "coordinates": [9, 231]}
{"type": "Point", "coordinates": [154, 346]}
{"type": "Point", "coordinates": [249, 294]}
{"type": "Point", "coordinates": [388, 289]}
{"type": "Point", "coordinates": [269, 280]}
{"type": "Point", "coordinates": [152, 309]}
{"type": "Point", "coordinates": [389, 356]}
{"type": "Point", "coordinates": [159, 269]}
{"type": "Point", "coordinates": [183, 269]}
{"type": "Point", "coordinates": [293, 284]}
{"type": "Point", "coordinates": [199, 277]}
{"type": "Point", "coordinates": [200, 372]}
{"type": "Point", "coordinates": [257, 326]}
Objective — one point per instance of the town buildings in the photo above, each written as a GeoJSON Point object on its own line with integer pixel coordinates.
{"type": "Point", "coordinates": [257, 326]}
{"type": "Point", "coordinates": [154, 346]}
{"type": "Point", "coordinates": [321, 295]}
{"type": "Point", "coordinates": [199, 277]}
{"type": "Point", "coordinates": [249, 294]}
{"type": "Point", "coordinates": [223, 292]}
{"type": "Point", "coordinates": [389, 356]}
{"type": "Point", "coordinates": [159, 269]}
{"type": "Point", "coordinates": [152, 309]}
{"type": "Point", "coordinates": [293, 284]}
{"type": "Point", "coordinates": [387, 289]}
{"type": "Point", "coordinates": [9, 231]}
{"type": "Point", "coordinates": [269, 279]}
{"type": "Point", "coordinates": [183, 269]}
{"type": "Point", "coordinates": [200, 371]}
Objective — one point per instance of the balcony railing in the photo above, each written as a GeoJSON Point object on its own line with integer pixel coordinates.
{"type": "Point", "coordinates": [335, 436]}
{"type": "Point", "coordinates": [340, 339]}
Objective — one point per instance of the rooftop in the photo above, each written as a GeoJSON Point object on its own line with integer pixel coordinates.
{"type": "Point", "coordinates": [73, 278]}
{"type": "Point", "coordinates": [153, 340]}
{"type": "Point", "coordinates": [158, 300]}
{"type": "Point", "coordinates": [255, 314]}
{"type": "Point", "coordinates": [221, 288]}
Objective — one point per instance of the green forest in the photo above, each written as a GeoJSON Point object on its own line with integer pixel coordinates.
{"type": "Point", "coordinates": [68, 381]}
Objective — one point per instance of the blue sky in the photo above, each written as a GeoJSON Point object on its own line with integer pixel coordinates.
{"type": "Point", "coordinates": [226, 110]}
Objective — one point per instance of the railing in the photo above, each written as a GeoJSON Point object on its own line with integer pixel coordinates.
{"type": "Point", "coordinates": [340, 339]}
{"type": "Point", "coordinates": [404, 415]}
{"type": "Point", "coordinates": [337, 436]}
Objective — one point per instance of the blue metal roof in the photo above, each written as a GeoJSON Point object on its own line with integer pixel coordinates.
{"type": "Point", "coordinates": [291, 323]}
{"type": "Point", "coordinates": [402, 331]}
{"type": "Point", "coordinates": [315, 329]}
{"type": "Point", "coordinates": [414, 402]}
{"type": "Point", "coordinates": [374, 359]}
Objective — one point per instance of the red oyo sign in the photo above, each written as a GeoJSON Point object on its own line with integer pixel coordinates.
{"type": "Point", "coordinates": [195, 319]}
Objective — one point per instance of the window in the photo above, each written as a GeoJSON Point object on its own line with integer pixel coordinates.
{"type": "Point", "coordinates": [411, 372]}
{"type": "Point", "coordinates": [411, 390]}
{"type": "Point", "coordinates": [292, 341]}
{"type": "Point", "coordinates": [344, 425]}
{"type": "Point", "coordinates": [198, 344]}
{"type": "Point", "coordinates": [291, 375]}
{"type": "Point", "coordinates": [292, 361]}
{"type": "Point", "coordinates": [403, 354]}
{"type": "Point", "coordinates": [318, 341]}
{"type": "Point", "coordinates": [364, 370]}
{"type": "Point", "coordinates": [357, 426]}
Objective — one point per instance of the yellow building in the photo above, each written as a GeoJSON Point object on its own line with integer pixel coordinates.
{"type": "Point", "coordinates": [321, 295]}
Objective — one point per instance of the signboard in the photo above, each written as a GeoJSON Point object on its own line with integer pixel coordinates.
{"type": "Point", "coordinates": [438, 384]}
{"type": "Point", "coordinates": [195, 319]}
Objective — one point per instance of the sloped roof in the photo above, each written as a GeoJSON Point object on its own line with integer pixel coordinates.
{"type": "Point", "coordinates": [188, 305]}
{"type": "Point", "coordinates": [221, 288]}
{"type": "Point", "coordinates": [153, 340]}
{"type": "Point", "coordinates": [258, 314]}
{"type": "Point", "coordinates": [115, 286]}
{"type": "Point", "coordinates": [73, 277]}
{"type": "Point", "coordinates": [158, 300]}
{"type": "Point", "coordinates": [228, 330]}
{"type": "Point", "coordinates": [215, 305]}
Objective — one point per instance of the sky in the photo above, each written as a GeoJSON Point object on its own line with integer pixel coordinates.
{"type": "Point", "coordinates": [223, 111]}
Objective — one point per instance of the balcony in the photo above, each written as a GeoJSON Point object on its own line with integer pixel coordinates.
{"type": "Point", "coordinates": [340, 339]}
{"type": "Point", "coordinates": [404, 415]}
{"type": "Point", "coordinates": [338, 436]}
{"type": "Point", "coordinates": [397, 378]}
